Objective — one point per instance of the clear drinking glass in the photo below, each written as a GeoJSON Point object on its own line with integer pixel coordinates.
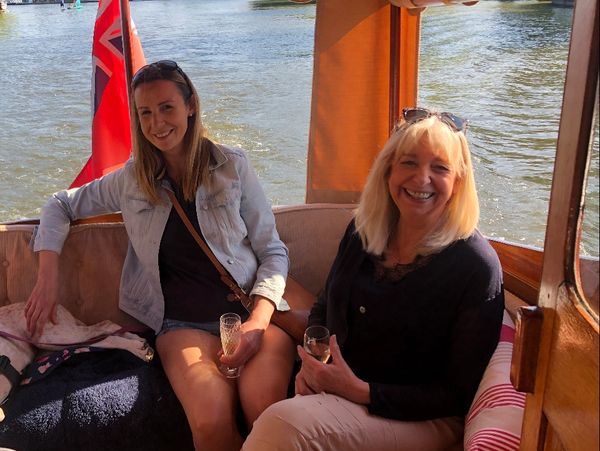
{"type": "Point", "coordinates": [230, 329]}
{"type": "Point", "coordinates": [316, 342]}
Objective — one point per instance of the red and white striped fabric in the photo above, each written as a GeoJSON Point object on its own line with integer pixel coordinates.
{"type": "Point", "coordinates": [494, 419]}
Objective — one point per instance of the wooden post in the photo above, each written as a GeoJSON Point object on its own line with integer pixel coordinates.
{"type": "Point", "coordinates": [125, 36]}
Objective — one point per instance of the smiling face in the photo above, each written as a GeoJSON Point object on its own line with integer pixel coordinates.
{"type": "Point", "coordinates": [421, 182]}
{"type": "Point", "coordinates": [163, 114]}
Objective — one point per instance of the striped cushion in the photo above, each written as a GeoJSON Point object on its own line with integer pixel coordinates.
{"type": "Point", "coordinates": [494, 419]}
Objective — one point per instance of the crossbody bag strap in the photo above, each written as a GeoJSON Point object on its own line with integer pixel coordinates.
{"type": "Point", "coordinates": [237, 292]}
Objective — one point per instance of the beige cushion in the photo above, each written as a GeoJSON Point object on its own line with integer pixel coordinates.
{"type": "Point", "coordinates": [312, 234]}
{"type": "Point", "coordinates": [93, 255]}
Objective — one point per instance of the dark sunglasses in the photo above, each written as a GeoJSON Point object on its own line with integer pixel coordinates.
{"type": "Point", "coordinates": [458, 124]}
{"type": "Point", "coordinates": [156, 71]}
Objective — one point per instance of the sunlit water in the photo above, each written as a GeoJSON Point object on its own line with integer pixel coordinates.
{"type": "Point", "coordinates": [501, 64]}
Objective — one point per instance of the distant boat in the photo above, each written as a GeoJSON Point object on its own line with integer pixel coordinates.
{"type": "Point", "coordinates": [265, 4]}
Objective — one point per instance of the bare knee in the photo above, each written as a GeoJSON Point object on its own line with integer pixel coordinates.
{"type": "Point", "coordinates": [215, 430]}
{"type": "Point", "coordinates": [266, 378]}
{"type": "Point", "coordinates": [208, 398]}
{"type": "Point", "coordinates": [254, 405]}
{"type": "Point", "coordinates": [210, 426]}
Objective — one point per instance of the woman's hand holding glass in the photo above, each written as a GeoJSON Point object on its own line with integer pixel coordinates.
{"type": "Point", "coordinates": [316, 342]}
{"type": "Point", "coordinates": [252, 332]}
{"type": "Point", "coordinates": [230, 325]}
{"type": "Point", "coordinates": [334, 377]}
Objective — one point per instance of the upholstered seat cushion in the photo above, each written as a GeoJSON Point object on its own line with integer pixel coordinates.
{"type": "Point", "coordinates": [494, 419]}
{"type": "Point", "coordinates": [108, 400]}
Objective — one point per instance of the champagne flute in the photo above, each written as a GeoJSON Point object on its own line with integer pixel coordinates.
{"type": "Point", "coordinates": [230, 329]}
{"type": "Point", "coordinates": [316, 342]}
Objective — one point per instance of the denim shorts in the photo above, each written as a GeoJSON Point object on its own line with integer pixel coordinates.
{"type": "Point", "coordinates": [212, 327]}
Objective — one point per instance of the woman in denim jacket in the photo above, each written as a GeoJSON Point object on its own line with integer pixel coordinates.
{"type": "Point", "coordinates": [167, 282]}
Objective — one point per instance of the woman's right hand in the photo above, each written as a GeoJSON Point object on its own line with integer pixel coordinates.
{"type": "Point", "coordinates": [41, 305]}
{"type": "Point", "coordinates": [336, 378]}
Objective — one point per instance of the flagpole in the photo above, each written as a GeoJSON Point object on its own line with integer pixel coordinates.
{"type": "Point", "coordinates": [125, 21]}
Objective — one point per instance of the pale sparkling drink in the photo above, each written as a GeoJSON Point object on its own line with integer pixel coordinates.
{"type": "Point", "coordinates": [230, 329]}
{"type": "Point", "coordinates": [316, 342]}
{"type": "Point", "coordinates": [230, 342]}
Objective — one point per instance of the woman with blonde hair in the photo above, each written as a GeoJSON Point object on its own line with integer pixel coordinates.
{"type": "Point", "coordinates": [413, 302]}
{"type": "Point", "coordinates": [167, 282]}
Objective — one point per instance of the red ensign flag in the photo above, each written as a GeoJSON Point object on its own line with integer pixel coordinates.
{"type": "Point", "coordinates": [111, 134]}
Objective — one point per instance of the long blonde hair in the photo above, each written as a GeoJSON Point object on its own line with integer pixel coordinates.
{"type": "Point", "coordinates": [149, 165]}
{"type": "Point", "coordinates": [377, 214]}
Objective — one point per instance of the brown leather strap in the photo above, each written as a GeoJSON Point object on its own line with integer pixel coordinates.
{"type": "Point", "coordinates": [237, 292]}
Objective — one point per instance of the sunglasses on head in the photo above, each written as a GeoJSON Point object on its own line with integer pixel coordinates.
{"type": "Point", "coordinates": [457, 124]}
{"type": "Point", "coordinates": [156, 71]}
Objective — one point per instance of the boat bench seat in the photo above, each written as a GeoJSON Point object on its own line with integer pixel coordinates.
{"type": "Point", "coordinates": [111, 399]}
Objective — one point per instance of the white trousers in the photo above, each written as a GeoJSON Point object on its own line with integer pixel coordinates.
{"type": "Point", "coordinates": [326, 422]}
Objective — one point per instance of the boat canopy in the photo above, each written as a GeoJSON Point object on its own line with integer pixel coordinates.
{"type": "Point", "coordinates": [366, 60]}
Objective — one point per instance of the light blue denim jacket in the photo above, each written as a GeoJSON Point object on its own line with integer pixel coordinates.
{"type": "Point", "coordinates": [234, 216]}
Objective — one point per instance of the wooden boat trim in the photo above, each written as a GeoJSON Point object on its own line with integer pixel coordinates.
{"type": "Point", "coordinates": [558, 416]}
{"type": "Point", "coordinates": [522, 267]}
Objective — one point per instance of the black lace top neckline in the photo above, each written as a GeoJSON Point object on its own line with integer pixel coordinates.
{"type": "Point", "coordinates": [398, 271]}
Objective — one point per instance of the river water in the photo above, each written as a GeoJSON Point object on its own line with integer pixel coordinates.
{"type": "Point", "coordinates": [500, 63]}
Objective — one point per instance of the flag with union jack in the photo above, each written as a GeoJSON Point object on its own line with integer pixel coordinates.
{"type": "Point", "coordinates": [111, 134]}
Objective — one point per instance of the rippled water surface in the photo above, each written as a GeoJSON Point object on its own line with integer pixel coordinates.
{"type": "Point", "coordinates": [501, 64]}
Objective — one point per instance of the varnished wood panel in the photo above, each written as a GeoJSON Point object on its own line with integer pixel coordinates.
{"type": "Point", "coordinates": [552, 442]}
{"type": "Point", "coordinates": [566, 389]}
{"type": "Point", "coordinates": [571, 406]}
{"type": "Point", "coordinates": [528, 330]}
{"type": "Point", "coordinates": [522, 268]}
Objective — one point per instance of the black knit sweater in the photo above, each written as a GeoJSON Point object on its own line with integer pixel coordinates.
{"type": "Point", "coordinates": [424, 341]}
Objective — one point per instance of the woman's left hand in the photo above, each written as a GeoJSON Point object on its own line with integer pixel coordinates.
{"type": "Point", "coordinates": [336, 377]}
{"type": "Point", "coordinates": [252, 334]}
{"type": "Point", "coordinates": [253, 330]}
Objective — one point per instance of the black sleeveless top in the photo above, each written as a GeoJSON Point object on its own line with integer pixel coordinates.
{"type": "Point", "coordinates": [191, 285]}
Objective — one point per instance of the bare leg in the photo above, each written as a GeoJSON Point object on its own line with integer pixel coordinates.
{"type": "Point", "coordinates": [265, 378]}
{"type": "Point", "coordinates": [208, 398]}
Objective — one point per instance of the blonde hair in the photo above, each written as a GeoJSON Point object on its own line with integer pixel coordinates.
{"type": "Point", "coordinates": [149, 165]}
{"type": "Point", "coordinates": [377, 214]}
